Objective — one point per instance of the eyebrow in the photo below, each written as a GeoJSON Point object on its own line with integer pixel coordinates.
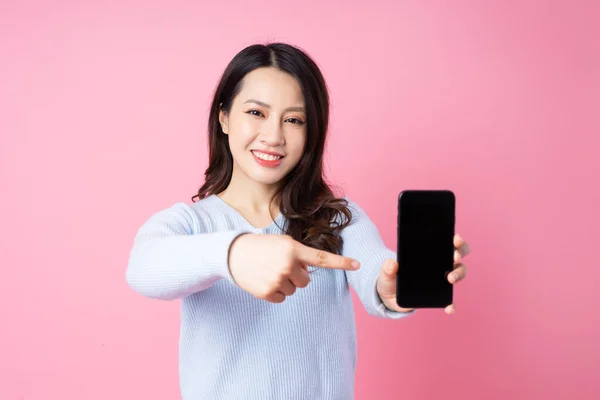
{"type": "Point", "coordinates": [265, 105]}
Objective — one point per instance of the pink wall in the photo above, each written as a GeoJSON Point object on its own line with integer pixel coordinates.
{"type": "Point", "coordinates": [102, 116]}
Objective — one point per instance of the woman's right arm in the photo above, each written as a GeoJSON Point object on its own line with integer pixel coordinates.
{"type": "Point", "coordinates": [173, 256]}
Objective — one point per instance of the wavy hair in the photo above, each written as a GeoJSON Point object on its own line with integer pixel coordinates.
{"type": "Point", "coordinates": [315, 215]}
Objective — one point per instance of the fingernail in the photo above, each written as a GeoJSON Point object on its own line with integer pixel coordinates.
{"type": "Point", "coordinates": [355, 264]}
{"type": "Point", "coordinates": [454, 277]}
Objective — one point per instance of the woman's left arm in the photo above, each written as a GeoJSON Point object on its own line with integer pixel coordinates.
{"type": "Point", "coordinates": [363, 242]}
{"type": "Point", "coordinates": [375, 281]}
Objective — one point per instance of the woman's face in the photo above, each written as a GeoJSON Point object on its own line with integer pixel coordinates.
{"type": "Point", "coordinates": [266, 126]}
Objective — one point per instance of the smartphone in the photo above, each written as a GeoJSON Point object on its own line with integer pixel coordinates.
{"type": "Point", "coordinates": [426, 220]}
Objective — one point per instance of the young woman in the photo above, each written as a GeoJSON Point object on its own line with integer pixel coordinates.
{"type": "Point", "coordinates": [264, 257]}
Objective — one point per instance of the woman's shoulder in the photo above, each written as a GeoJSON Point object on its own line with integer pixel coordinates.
{"type": "Point", "coordinates": [191, 217]}
{"type": "Point", "coordinates": [357, 213]}
{"type": "Point", "coordinates": [361, 229]}
{"type": "Point", "coordinates": [210, 212]}
{"type": "Point", "coordinates": [354, 207]}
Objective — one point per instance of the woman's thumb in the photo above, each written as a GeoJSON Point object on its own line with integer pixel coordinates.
{"type": "Point", "coordinates": [390, 269]}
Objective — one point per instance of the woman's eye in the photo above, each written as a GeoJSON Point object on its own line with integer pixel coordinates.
{"type": "Point", "coordinates": [255, 112]}
{"type": "Point", "coordinates": [295, 121]}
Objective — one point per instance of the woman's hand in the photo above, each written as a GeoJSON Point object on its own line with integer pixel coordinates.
{"type": "Point", "coordinates": [386, 283]}
{"type": "Point", "coordinates": [271, 267]}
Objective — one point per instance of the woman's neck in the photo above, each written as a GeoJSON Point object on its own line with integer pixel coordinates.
{"type": "Point", "coordinates": [250, 197]}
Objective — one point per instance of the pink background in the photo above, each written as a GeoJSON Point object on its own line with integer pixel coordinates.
{"type": "Point", "coordinates": [102, 119]}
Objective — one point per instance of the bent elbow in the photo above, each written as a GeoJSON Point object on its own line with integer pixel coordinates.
{"type": "Point", "coordinates": [139, 278]}
{"type": "Point", "coordinates": [146, 287]}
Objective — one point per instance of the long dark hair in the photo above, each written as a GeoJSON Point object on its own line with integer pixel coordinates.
{"type": "Point", "coordinates": [315, 216]}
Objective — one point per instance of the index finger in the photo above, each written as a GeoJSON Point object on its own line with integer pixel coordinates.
{"type": "Point", "coordinates": [325, 259]}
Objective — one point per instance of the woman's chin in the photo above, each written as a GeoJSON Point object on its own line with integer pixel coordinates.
{"type": "Point", "coordinates": [267, 180]}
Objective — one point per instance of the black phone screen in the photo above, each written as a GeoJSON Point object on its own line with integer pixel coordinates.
{"type": "Point", "coordinates": [425, 248]}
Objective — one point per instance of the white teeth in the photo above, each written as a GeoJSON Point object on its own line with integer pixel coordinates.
{"type": "Point", "coordinates": [266, 157]}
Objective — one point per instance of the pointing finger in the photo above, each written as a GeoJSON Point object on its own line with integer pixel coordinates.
{"type": "Point", "coordinates": [324, 259]}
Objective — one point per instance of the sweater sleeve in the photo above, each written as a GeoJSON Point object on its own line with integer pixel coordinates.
{"type": "Point", "coordinates": [173, 256]}
{"type": "Point", "coordinates": [363, 242]}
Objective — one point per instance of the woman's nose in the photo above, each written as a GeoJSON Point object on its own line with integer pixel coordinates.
{"type": "Point", "coordinates": [272, 134]}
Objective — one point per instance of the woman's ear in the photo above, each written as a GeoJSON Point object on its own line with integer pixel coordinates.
{"type": "Point", "coordinates": [224, 120]}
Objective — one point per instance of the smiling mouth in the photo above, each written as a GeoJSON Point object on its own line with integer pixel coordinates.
{"type": "Point", "coordinates": [265, 156]}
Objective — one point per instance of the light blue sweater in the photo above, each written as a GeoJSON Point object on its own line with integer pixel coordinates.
{"type": "Point", "coordinates": [235, 346]}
